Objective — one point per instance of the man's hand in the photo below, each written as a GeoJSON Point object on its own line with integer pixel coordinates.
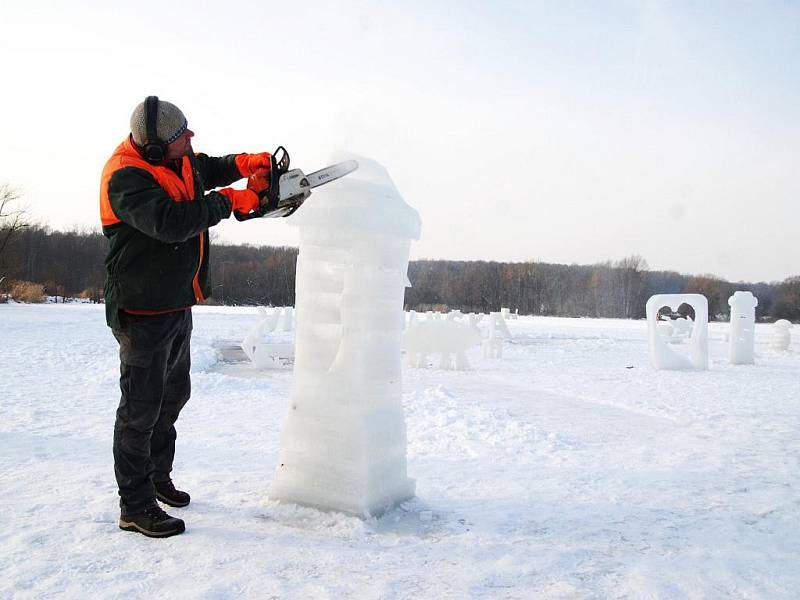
{"type": "Point", "coordinates": [250, 164]}
{"type": "Point", "coordinates": [242, 201]}
{"type": "Point", "coordinates": [265, 184]}
{"type": "Point", "coordinates": [268, 191]}
{"type": "Point", "coordinates": [259, 183]}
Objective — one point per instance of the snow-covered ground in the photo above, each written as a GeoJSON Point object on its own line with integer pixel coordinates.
{"type": "Point", "coordinates": [568, 469]}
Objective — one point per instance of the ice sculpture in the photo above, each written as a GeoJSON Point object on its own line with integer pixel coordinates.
{"type": "Point", "coordinates": [498, 325]}
{"type": "Point", "coordinates": [662, 356]}
{"type": "Point", "coordinates": [448, 338]}
{"type": "Point", "coordinates": [474, 319]}
{"type": "Point", "coordinates": [507, 314]}
{"type": "Point", "coordinates": [495, 336]}
{"type": "Point", "coordinates": [665, 329]}
{"type": "Point", "coordinates": [343, 443]}
{"type": "Point", "coordinates": [743, 322]}
{"type": "Point", "coordinates": [682, 327]}
{"type": "Point", "coordinates": [781, 336]}
{"type": "Point", "coordinates": [263, 352]}
{"type": "Point", "coordinates": [492, 344]}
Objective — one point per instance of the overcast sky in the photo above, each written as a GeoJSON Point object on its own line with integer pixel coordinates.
{"type": "Point", "coordinates": [553, 131]}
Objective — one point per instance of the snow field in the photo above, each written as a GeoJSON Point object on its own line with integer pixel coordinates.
{"type": "Point", "coordinates": [556, 472]}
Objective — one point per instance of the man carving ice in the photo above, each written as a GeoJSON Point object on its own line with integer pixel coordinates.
{"type": "Point", "coordinates": [156, 211]}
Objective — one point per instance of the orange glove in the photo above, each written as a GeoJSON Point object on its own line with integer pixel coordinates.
{"type": "Point", "coordinates": [249, 164]}
{"type": "Point", "coordinates": [242, 201]}
{"type": "Point", "coordinates": [259, 183]}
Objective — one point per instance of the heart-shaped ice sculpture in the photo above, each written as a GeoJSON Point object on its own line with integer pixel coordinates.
{"type": "Point", "coordinates": [662, 356]}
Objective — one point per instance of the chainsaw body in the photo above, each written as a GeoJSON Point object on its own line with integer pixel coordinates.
{"type": "Point", "coordinates": [288, 189]}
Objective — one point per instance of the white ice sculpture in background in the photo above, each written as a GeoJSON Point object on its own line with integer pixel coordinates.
{"type": "Point", "coordinates": [676, 330]}
{"type": "Point", "coordinates": [743, 323]}
{"type": "Point", "coordinates": [474, 319]}
{"type": "Point", "coordinates": [665, 329]}
{"type": "Point", "coordinates": [682, 327]}
{"type": "Point", "coordinates": [446, 337]}
{"type": "Point", "coordinates": [496, 335]}
{"type": "Point", "coordinates": [781, 336]}
{"type": "Point", "coordinates": [263, 352]}
{"type": "Point", "coordinates": [498, 324]}
{"type": "Point", "coordinates": [492, 344]}
{"type": "Point", "coordinates": [662, 356]}
{"type": "Point", "coordinates": [343, 443]}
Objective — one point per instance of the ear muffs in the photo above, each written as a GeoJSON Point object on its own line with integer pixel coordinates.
{"type": "Point", "coordinates": [153, 150]}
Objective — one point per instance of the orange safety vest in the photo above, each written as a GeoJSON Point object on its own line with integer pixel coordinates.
{"type": "Point", "coordinates": [180, 189]}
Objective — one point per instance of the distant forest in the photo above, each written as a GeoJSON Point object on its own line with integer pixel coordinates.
{"type": "Point", "coordinates": [71, 264]}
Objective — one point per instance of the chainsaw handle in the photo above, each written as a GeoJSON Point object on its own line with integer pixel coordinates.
{"type": "Point", "coordinates": [279, 165]}
{"type": "Point", "coordinates": [281, 159]}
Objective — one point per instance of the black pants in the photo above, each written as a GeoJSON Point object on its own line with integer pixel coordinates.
{"type": "Point", "coordinates": [154, 379]}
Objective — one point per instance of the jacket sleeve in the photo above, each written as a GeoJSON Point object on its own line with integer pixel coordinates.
{"type": "Point", "coordinates": [138, 200]}
{"type": "Point", "coordinates": [217, 171]}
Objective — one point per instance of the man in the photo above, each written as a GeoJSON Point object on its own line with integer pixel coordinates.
{"type": "Point", "coordinates": [156, 213]}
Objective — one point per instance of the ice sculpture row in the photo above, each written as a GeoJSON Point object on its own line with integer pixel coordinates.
{"type": "Point", "coordinates": [343, 440]}
{"type": "Point", "coordinates": [741, 350]}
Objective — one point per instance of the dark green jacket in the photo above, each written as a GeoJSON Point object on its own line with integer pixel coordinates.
{"type": "Point", "coordinates": [157, 222]}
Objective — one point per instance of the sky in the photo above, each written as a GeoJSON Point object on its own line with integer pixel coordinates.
{"type": "Point", "coordinates": [568, 132]}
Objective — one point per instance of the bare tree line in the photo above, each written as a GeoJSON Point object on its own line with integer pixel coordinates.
{"type": "Point", "coordinates": [12, 216]}
{"type": "Point", "coordinates": [610, 289]}
{"type": "Point", "coordinates": [71, 264]}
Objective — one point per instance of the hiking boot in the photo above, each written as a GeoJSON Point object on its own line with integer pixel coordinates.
{"type": "Point", "coordinates": [166, 492]}
{"type": "Point", "coordinates": [152, 522]}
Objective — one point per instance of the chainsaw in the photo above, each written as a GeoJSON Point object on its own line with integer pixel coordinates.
{"type": "Point", "coordinates": [288, 189]}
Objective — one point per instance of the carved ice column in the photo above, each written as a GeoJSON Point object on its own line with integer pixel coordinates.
{"type": "Point", "coordinates": [343, 444]}
{"type": "Point", "coordinates": [743, 322]}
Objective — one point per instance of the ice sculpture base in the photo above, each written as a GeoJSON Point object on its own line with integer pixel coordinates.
{"type": "Point", "coordinates": [359, 504]}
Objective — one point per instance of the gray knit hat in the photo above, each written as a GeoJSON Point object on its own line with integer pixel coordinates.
{"type": "Point", "coordinates": [170, 123]}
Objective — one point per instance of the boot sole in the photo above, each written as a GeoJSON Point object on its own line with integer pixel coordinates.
{"type": "Point", "coordinates": [172, 503]}
{"type": "Point", "coordinates": [131, 526]}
